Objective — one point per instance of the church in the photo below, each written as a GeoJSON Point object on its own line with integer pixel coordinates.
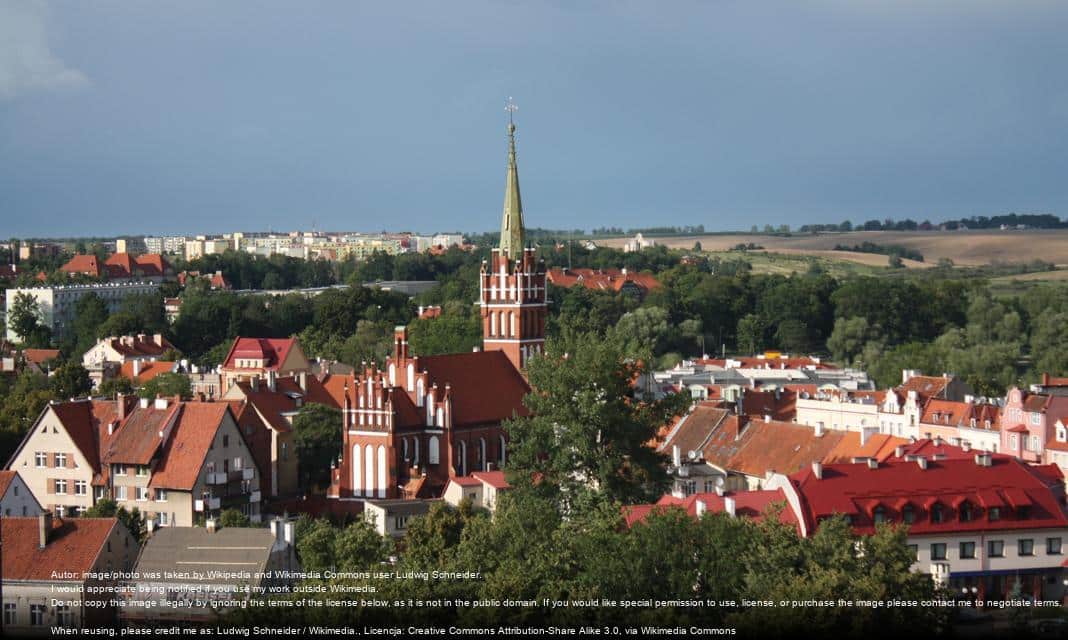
{"type": "Point", "coordinates": [418, 421]}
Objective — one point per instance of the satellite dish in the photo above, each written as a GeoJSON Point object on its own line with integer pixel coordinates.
{"type": "Point", "coordinates": [692, 455]}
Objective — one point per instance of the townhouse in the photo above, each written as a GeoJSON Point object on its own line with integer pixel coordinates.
{"type": "Point", "coordinates": [16, 499]}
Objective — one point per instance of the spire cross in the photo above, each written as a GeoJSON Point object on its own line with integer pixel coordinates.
{"type": "Point", "coordinates": [511, 108]}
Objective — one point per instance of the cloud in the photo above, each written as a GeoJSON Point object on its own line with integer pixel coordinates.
{"type": "Point", "coordinates": [27, 63]}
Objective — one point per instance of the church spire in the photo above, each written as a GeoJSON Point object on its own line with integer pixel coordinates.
{"type": "Point", "coordinates": [512, 220]}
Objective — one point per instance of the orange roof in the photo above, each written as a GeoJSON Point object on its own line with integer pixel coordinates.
{"type": "Point", "coordinates": [781, 447]}
{"type": "Point", "coordinates": [6, 476]}
{"type": "Point", "coordinates": [140, 345]}
{"type": "Point", "coordinates": [602, 279]}
{"type": "Point", "coordinates": [692, 431]}
{"type": "Point", "coordinates": [780, 405]}
{"type": "Point", "coordinates": [272, 351]}
{"type": "Point", "coordinates": [748, 504]}
{"type": "Point", "coordinates": [485, 385]}
{"type": "Point", "coordinates": [40, 356]}
{"type": "Point", "coordinates": [149, 369]}
{"type": "Point", "coordinates": [73, 545]}
{"type": "Point", "coordinates": [81, 263]}
{"type": "Point", "coordinates": [925, 386]}
{"type": "Point", "coordinates": [137, 439]}
{"type": "Point", "coordinates": [184, 452]}
{"type": "Point", "coordinates": [494, 479]}
{"type": "Point", "coordinates": [878, 445]}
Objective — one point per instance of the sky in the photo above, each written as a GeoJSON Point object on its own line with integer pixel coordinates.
{"type": "Point", "coordinates": [205, 117]}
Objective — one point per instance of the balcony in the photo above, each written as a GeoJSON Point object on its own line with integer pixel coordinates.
{"type": "Point", "coordinates": [248, 473]}
{"type": "Point", "coordinates": [206, 504]}
{"type": "Point", "coordinates": [217, 478]}
{"type": "Point", "coordinates": [254, 496]}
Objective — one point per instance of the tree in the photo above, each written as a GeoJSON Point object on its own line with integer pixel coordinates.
{"type": "Point", "coordinates": [71, 380]}
{"type": "Point", "coordinates": [133, 520]}
{"type": "Point", "coordinates": [317, 437]}
{"type": "Point", "coordinates": [849, 337]}
{"type": "Point", "coordinates": [24, 318]}
{"type": "Point", "coordinates": [751, 330]}
{"type": "Point", "coordinates": [89, 313]}
{"type": "Point", "coordinates": [643, 328]}
{"type": "Point", "coordinates": [315, 545]}
{"type": "Point", "coordinates": [358, 546]}
{"type": "Point", "coordinates": [457, 330]}
{"type": "Point", "coordinates": [586, 434]}
{"type": "Point", "coordinates": [114, 386]}
{"type": "Point", "coordinates": [167, 385]}
{"type": "Point", "coordinates": [233, 518]}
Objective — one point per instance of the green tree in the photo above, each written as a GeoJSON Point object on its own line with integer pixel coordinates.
{"type": "Point", "coordinates": [71, 380]}
{"type": "Point", "coordinates": [315, 545]}
{"type": "Point", "coordinates": [457, 330]}
{"type": "Point", "coordinates": [167, 385]}
{"type": "Point", "coordinates": [24, 318]}
{"type": "Point", "coordinates": [751, 331]}
{"type": "Point", "coordinates": [114, 386]}
{"type": "Point", "coordinates": [849, 337]}
{"type": "Point", "coordinates": [89, 313]}
{"type": "Point", "coordinates": [133, 520]}
{"type": "Point", "coordinates": [317, 436]}
{"type": "Point", "coordinates": [586, 433]}
{"type": "Point", "coordinates": [233, 518]}
{"type": "Point", "coordinates": [358, 547]}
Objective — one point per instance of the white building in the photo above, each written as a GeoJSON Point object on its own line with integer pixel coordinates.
{"type": "Point", "coordinates": [16, 499]}
{"type": "Point", "coordinates": [56, 304]}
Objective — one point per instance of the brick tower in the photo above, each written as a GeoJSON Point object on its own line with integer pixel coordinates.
{"type": "Point", "coordinates": [512, 288]}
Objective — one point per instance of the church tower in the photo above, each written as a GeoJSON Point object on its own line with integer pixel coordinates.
{"type": "Point", "coordinates": [512, 289]}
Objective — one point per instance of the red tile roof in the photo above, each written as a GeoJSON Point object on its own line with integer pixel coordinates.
{"type": "Point", "coordinates": [748, 504]}
{"type": "Point", "coordinates": [148, 369]}
{"type": "Point", "coordinates": [878, 445]}
{"type": "Point", "coordinates": [77, 418]}
{"type": "Point", "coordinates": [73, 545]}
{"type": "Point", "coordinates": [140, 346]}
{"type": "Point", "coordinates": [758, 362]}
{"type": "Point", "coordinates": [40, 356]}
{"type": "Point", "coordinates": [137, 439]}
{"type": "Point", "coordinates": [485, 385]}
{"type": "Point", "coordinates": [272, 351]}
{"type": "Point", "coordinates": [781, 447]}
{"type": "Point", "coordinates": [184, 452]}
{"type": "Point", "coordinates": [856, 489]}
{"type": "Point", "coordinates": [6, 476]}
{"type": "Point", "coordinates": [80, 263]}
{"type": "Point", "coordinates": [780, 405]}
{"type": "Point", "coordinates": [494, 479]}
{"type": "Point", "coordinates": [602, 279]}
{"type": "Point", "coordinates": [925, 386]}
{"type": "Point", "coordinates": [693, 431]}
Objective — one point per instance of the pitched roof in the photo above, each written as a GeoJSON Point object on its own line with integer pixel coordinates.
{"type": "Point", "coordinates": [692, 431]}
{"type": "Point", "coordinates": [78, 420]}
{"type": "Point", "coordinates": [73, 545]}
{"type": "Point", "coordinates": [184, 452]}
{"type": "Point", "coordinates": [782, 447]}
{"type": "Point", "coordinates": [140, 345]}
{"type": "Point", "coordinates": [748, 504]}
{"type": "Point", "coordinates": [272, 351]}
{"type": "Point", "coordinates": [494, 479]}
{"type": "Point", "coordinates": [780, 405]}
{"type": "Point", "coordinates": [925, 386]}
{"type": "Point", "coordinates": [148, 370]}
{"type": "Point", "coordinates": [40, 356]}
{"type": "Point", "coordinates": [6, 477]}
{"type": "Point", "coordinates": [485, 385]}
{"type": "Point", "coordinates": [81, 263]}
{"type": "Point", "coordinates": [602, 279]}
{"type": "Point", "coordinates": [878, 445]}
{"type": "Point", "coordinates": [137, 439]}
{"type": "Point", "coordinates": [856, 489]}
{"type": "Point", "coordinates": [226, 551]}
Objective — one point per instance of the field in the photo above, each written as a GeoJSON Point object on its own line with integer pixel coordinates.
{"type": "Point", "coordinates": [964, 248]}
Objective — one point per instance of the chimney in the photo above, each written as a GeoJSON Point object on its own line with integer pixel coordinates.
{"type": "Point", "coordinates": [873, 463]}
{"type": "Point", "coordinates": [819, 430]}
{"type": "Point", "coordinates": [864, 434]}
{"type": "Point", "coordinates": [700, 508]}
{"type": "Point", "coordinates": [817, 470]}
{"type": "Point", "coordinates": [271, 380]}
{"type": "Point", "coordinates": [729, 506]}
{"type": "Point", "coordinates": [44, 528]}
{"type": "Point", "coordinates": [302, 380]}
{"type": "Point", "coordinates": [1045, 379]}
{"type": "Point", "coordinates": [144, 403]}
{"type": "Point", "coordinates": [211, 525]}
{"type": "Point", "coordinates": [767, 418]}
{"type": "Point", "coordinates": [938, 441]}
{"type": "Point", "coordinates": [400, 344]}
{"type": "Point", "coordinates": [966, 446]}
{"type": "Point", "coordinates": [899, 451]}
{"type": "Point", "coordinates": [161, 403]}
{"type": "Point", "coordinates": [136, 368]}
{"type": "Point", "coordinates": [676, 456]}
{"type": "Point", "coordinates": [984, 459]}
{"type": "Point", "coordinates": [120, 407]}
{"type": "Point", "coordinates": [922, 462]}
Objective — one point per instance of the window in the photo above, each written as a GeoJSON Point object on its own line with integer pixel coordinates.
{"type": "Point", "coordinates": [40, 459]}
{"type": "Point", "coordinates": [967, 550]}
{"type": "Point", "coordinates": [9, 613]}
{"type": "Point", "coordinates": [99, 493]}
{"type": "Point", "coordinates": [994, 514]}
{"type": "Point", "coordinates": [61, 487]}
{"type": "Point", "coordinates": [938, 551]}
{"type": "Point", "coordinates": [285, 451]}
{"type": "Point", "coordinates": [142, 494]}
{"type": "Point", "coordinates": [163, 519]}
{"type": "Point", "coordinates": [61, 460]}
{"type": "Point", "coordinates": [1036, 419]}
{"type": "Point", "coordinates": [142, 471]}
{"type": "Point", "coordinates": [1053, 546]}
{"type": "Point", "coordinates": [226, 441]}
{"type": "Point", "coordinates": [908, 514]}
{"type": "Point", "coordinates": [1023, 512]}
{"type": "Point", "coordinates": [81, 487]}
{"type": "Point", "coordinates": [63, 616]}
{"type": "Point", "coordinates": [161, 496]}
{"type": "Point", "coordinates": [966, 512]}
{"type": "Point", "coordinates": [1025, 546]}
{"type": "Point", "coordinates": [400, 522]}
{"type": "Point", "coordinates": [120, 470]}
{"type": "Point", "coordinates": [37, 614]}
{"type": "Point", "coordinates": [120, 493]}
{"type": "Point", "coordinates": [938, 514]}
{"type": "Point", "coordinates": [1034, 444]}
{"type": "Point", "coordinates": [995, 549]}
{"type": "Point", "coordinates": [1012, 441]}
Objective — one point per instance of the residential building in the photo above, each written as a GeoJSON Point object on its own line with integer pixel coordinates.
{"type": "Point", "coordinates": [180, 461]}
{"type": "Point", "coordinates": [238, 564]}
{"type": "Point", "coordinates": [57, 304]}
{"type": "Point", "coordinates": [121, 267]}
{"type": "Point", "coordinates": [638, 243]}
{"type": "Point", "coordinates": [613, 280]}
{"type": "Point", "coordinates": [754, 505]}
{"type": "Point", "coordinates": [165, 244]}
{"type": "Point", "coordinates": [39, 550]}
{"type": "Point", "coordinates": [59, 459]}
{"type": "Point", "coordinates": [262, 358]}
{"type": "Point", "coordinates": [172, 307]}
{"type": "Point", "coordinates": [16, 499]}
{"type": "Point", "coordinates": [215, 281]}
{"type": "Point", "coordinates": [28, 250]}
{"type": "Point", "coordinates": [391, 517]}
{"type": "Point", "coordinates": [482, 488]}
{"type": "Point", "coordinates": [103, 359]}
{"type": "Point", "coordinates": [1028, 425]}
{"type": "Point", "coordinates": [986, 521]}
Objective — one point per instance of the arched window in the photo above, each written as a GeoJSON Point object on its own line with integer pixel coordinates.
{"type": "Point", "coordinates": [392, 374]}
{"type": "Point", "coordinates": [908, 514]}
{"type": "Point", "coordinates": [879, 515]}
{"type": "Point", "coordinates": [511, 324]}
{"type": "Point", "coordinates": [501, 455]}
{"type": "Point", "coordinates": [381, 471]}
{"type": "Point", "coordinates": [461, 458]}
{"type": "Point", "coordinates": [415, 454]}
{"type": "Point", "coordinates": [441, 417]}
{"type": "Point", "coordinates": [493, 323]}
{"type": "Point", "coordinates": [369, 470]}
{"type": "Point", "coordinates": [357, 478]}
{"type": "Point", "coordinates": [433, 454]}
{"type": "Point", "coordinates": [481, 454]}
{"type": "Point", "coordinates": [411, 376]}
{"type": "Point", "coordinates": [404, 448]}
{"type": "Point", "coordinates": [418, 392]}
{"type": "Point", "coordinates": [967, 513]}
{"type": "Point", "coordinates": [938, 513]}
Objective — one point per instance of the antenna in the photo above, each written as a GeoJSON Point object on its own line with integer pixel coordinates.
{"type": "Point", "coordinates": [511, 107]}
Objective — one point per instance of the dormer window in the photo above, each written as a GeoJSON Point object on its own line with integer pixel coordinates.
{"type": "Point", "coordinates": [938, 513]}
{"type": "Point", "coordinates": [908, 514]}
{"type": "Point", "coordinates": [1061, 435]}
{"type": "Point", "coordinates": [993, 514]}
{"type": "Point", "coordinates": [879, 515]}
{"type": "Point", "coordinates": [967, 513]}
{"type": "Point", "coordinates": [1023, 512]}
